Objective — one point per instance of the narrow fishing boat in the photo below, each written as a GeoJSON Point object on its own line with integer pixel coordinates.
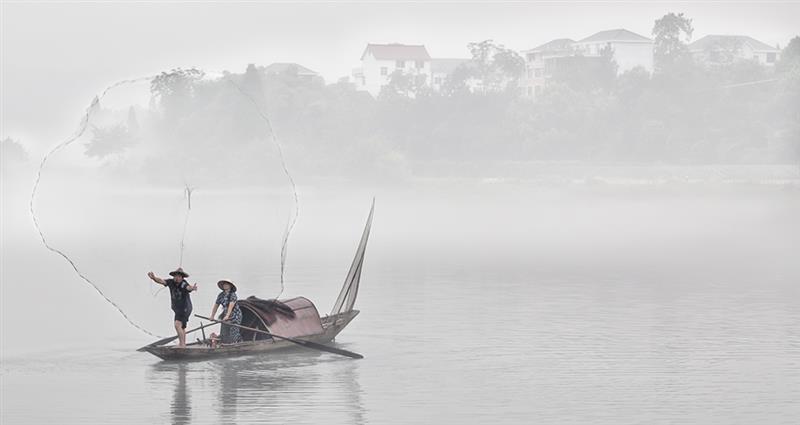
{"type": "Point", "coordinates": [269, 325]}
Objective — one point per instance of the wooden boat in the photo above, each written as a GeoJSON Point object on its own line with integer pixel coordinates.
{"type": "Point", "coordinates": [295, 319]}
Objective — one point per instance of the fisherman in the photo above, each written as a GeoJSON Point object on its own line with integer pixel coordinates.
{"type": "Point", "coordinates": [179, 290]}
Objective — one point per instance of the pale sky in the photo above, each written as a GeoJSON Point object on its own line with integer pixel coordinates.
{"type": "Point", "coordinates": [56, 56]}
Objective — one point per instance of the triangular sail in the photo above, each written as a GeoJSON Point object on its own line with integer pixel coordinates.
{"type": "Point", "coordinates": [347, 296]}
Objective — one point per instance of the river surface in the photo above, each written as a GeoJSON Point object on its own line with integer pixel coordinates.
{"type": "Point", "coordinates": [504, 306]}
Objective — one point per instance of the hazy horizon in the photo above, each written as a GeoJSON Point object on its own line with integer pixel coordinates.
{"type": "Point", "coordinates": [93, 45]}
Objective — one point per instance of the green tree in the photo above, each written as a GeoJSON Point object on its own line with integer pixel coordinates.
{"type": "Point", "coordinates": [458, 82]}
{"type": "Point", "coordinates": [785, 105]}
{"type": "Point", "coordinates": [790, 56]}
{"type": "Point", "coordinates": [672, 34]}
{"type": "Point", "coordinates": [632, 84]}
{"type": "Point", "coordinates": [111, 140]}
{"type": "Point", "coordinates": [587, 73]}
{"type": "Point", "coordinates": [405, 84]}
{"type": "Point", "coordinates": [494, 67]}
{"type": "Point", "coordinates": [12, 151]}
{"type": "Point", "coordinates": [133, 122]}
{"type": "Point", "coordinates": [252, 84]}
{"type": "Point", "coordinates": [173, 91]}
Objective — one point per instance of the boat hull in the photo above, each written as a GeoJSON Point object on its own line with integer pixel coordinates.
{"type": "Point", "coordinates": [331, 325]}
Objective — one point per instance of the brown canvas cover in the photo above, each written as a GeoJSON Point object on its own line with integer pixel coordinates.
{"type": "Point", "coordinates": [294, 317]}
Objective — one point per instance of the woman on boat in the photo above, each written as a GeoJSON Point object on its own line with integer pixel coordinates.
{"type": "Point", "coordinates": [230, 312]}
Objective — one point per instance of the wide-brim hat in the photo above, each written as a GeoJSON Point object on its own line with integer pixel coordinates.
{"type": "Point", "coordinates": [221, 282]}
{"type": "Point", "coordinates": [179, 271]}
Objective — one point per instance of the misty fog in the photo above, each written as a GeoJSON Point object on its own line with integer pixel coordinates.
{"type": "Point", "coordinates": [558, 234]}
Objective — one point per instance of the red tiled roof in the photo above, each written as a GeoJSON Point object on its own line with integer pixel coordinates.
{"type": "Point", "coordinates": [397, 51]}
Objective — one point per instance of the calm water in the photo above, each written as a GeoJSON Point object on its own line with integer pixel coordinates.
{"type": "Point", "coordinates": [558, 314]}
{"type": "Point", "coordinates": [552, 351]}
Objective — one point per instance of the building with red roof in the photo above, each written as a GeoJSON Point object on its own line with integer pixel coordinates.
{"type": "Point", "coordinates": [380, 61]}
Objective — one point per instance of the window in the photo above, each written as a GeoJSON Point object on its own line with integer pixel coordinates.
{"type": "Point", "coordinates": [400, 64]}
{"type": "Point", "coordinates": [537, 72]}
{"type": "Point", "coordinates": [384, 70]}
{"type": "Point", "coordinates": [420, 64]}
{"type": "Point", "coordinates": [771, 57]}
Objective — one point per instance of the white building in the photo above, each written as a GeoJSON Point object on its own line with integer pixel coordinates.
{"type": "Point", "coordinates": [724, 49]}
{"type": "Point", "coordinates": [541, 62]}
{"type": "Point", "coordinates": [379, 61]}
{"type": "Point", "coordinates": [629, 49]}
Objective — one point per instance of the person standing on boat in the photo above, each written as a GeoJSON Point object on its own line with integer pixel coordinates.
{"type": "Point", "coordinates": [231, 312]}
{"type": "Point", "coordinates": [179, 290]}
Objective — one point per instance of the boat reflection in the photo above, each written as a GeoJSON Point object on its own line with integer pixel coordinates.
{"type": "Point", "coordinates": [181, 406]}
{"type": "Point", "coordinates": [295, 385]}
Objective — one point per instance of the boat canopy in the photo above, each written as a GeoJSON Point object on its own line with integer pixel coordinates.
{"type": "Point", "coordinates": [290, 318]}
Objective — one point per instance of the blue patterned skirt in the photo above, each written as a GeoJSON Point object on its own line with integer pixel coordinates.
{"type": "Point", "coordinates": [230, 334]}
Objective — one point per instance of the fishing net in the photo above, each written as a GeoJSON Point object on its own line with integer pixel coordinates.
{"type": "Point", "coordinates": [114, 199]}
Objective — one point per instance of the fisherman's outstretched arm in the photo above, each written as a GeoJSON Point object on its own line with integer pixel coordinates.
{"type": "Point", "coordinates": [156, 279]}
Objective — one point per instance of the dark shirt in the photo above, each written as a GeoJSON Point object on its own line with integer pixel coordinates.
{"type": "Point", "coordinates": [179, 294]}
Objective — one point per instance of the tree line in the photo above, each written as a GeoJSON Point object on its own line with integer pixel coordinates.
{"type": "Point", "coordinates": [686, 111]}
